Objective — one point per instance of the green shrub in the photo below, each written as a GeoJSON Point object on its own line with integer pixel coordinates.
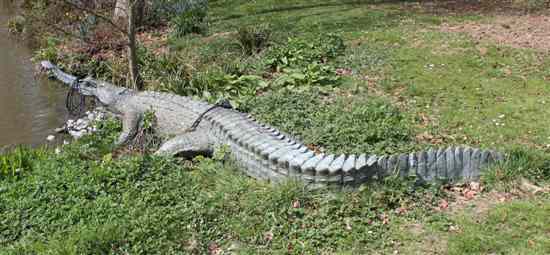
{"type": "Point", "coordinates": [303, 51]}
{"type": "Point", "coordinates": [166, 73]}
{"type": "Point", "coordinates": [49, 52]}
{"type": "Point", "coordinates": [313, 74]}
{"type": "Point", "coordinates": [214, 85]}
{"type": "Point", "coordinates": [190, 16]}
{"type": "Point", "coordinates": [19, 161]}
{"type": "Point", "coordinates": [520, 162]}
{"type": "Point", "coordinates": [253, 39]}
{"type": "Point", "coordinates": [343, 125]}
{"type": "Point", "coordinates": [16, 25]}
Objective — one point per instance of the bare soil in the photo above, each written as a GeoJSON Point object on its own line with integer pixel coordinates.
{"type": "Point", "coordinates": [524, 31]}
{"type": "Point", "coordinates": [480, 7]}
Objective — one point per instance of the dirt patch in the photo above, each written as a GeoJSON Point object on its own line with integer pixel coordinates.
{"type": "Point", "coordinates": [525, 31]}
{"type": "Point", "coordinates": [472, 197]}
{"type": "Point", "coordinates": [480, 7]}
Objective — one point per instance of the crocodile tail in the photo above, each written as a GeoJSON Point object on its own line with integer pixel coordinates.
{"type": "Point", "coordinates": [273, 155]}
{"type": "Point", "coordinates": [443, 164]}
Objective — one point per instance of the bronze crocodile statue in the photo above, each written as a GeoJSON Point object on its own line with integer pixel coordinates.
{"type": "Point", "coordinates": [264, 152]}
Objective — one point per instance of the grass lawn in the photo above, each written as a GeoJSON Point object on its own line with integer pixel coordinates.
{"type": "Point", "coordinates": [403, 82]}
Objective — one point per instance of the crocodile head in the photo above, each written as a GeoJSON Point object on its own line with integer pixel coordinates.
{"type": "Point", "coordinates": [103, 91]}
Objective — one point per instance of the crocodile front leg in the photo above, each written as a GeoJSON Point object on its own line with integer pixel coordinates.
{"type": "Point", "coordinates": [187, 145]}
{"type": "Point", "coordinates": [130, 124]}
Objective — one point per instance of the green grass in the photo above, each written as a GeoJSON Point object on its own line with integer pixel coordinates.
{"type": "Point", "coordinates": [87, 200]}
{"type": "Point", "coordinates": [351, 124]}
{"type": "Point", "coordinates": [477, 94]}
{"type": "Point", "coordinates": [83, 200]}
{"type": "Point", "coordinates": [521, 227]}
{"type": "Point", "coordinates": [407, 85]}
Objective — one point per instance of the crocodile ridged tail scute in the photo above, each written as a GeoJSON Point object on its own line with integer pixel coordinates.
{"type": "Point", "coordinates": [275, 156]}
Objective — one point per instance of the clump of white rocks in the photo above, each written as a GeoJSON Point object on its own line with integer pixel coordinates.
{"type": "Point", "coordinates": [77, 128]}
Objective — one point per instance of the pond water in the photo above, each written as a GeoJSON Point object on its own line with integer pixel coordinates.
{"type": "Point", "coordinates": [30, 107]}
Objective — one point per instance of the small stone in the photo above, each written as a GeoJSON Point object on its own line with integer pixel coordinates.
{"type": "Point", "coordinates": [76, 133]}
{"type": "Point", "coordinates": [61, 129]}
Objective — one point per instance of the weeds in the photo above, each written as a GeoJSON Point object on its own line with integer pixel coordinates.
{"type": "Point", "coordinates": [146, 140]}
{"type": "Point", "coordinates": [515, 228]}
{"type": "Point", "coordinates": [146, 204]}
{"type": "Point", "coordinates": [369, 125]}
{"type": "Point", "coordinates": [531, 164]}
{"type": "Point", "coordinates": [189, 17]}
{"type": "Point", "coordinates": [19, 161]}
{"type": "Point", "coordinates": [303, 51]}
{"type": "Point", "coordinates": [253, 39]}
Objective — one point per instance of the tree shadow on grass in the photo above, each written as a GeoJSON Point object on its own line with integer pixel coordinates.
{"type": "Point", "coordinates": [301, 7]}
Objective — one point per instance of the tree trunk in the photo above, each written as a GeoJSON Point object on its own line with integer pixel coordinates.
{"type": "Point", "coordinates": [121, 10]}
{"type": "Point", "coordinates": [135, 79]}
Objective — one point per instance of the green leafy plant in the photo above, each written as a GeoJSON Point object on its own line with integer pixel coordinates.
{"type": "Point", "coordinates": [303, 51]}
{"type": "Point", "coordinates": [253, 39]}
{"type": "Point", "coordinates": [48, 52]}
{"type": "Point", "coordinates": [19, 161]}
{"type": "Point", "coordinates": [146, 139]}
{"type": "Point", "coordinates": [344, 125]}
{"type": "Point", "coordinates": [190, 17]}
{"type": "Point", "coordinates": [216, 85]}
{"type": "Point", "coordinates": [212, 84]}
{"type": "Point", "coordinates": [305, 78]}
{"type": "Point", "coordinates": [16, 25]}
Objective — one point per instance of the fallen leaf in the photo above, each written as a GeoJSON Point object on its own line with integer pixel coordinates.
{"type": "Point", "coordinates": [268, 236]}
{"type": "Point", "coordinates": [443, 204]}
{"type": "Point", "coordinates": [475, 186]}
{"type": "Point", "coordinates": [482, 51]}
{"type": "Point", "coordinates": [470, 194]}
{"type": "Point", "coordinates": [214, 249]}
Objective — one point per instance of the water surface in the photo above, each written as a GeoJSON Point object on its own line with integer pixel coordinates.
{"type": "Point", "coordinates": [30, 108]}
